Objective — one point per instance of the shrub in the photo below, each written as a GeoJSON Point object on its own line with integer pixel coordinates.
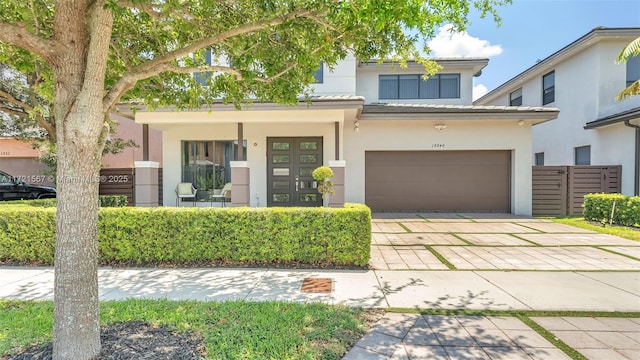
{"type": "Point", "coordinates": [112, 200]}
{"type": "Point", "coordinates": [597, 207]}
{"type": "Point", "coordinates": [104, 201]}
{"type": "Point", "coordinates": [313, 236]}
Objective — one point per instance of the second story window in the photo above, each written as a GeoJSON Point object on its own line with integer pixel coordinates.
{"type": "Point", "coordinates": [318, 75]}
{"type": "Point", "coordinates": [539, 159]}
{"type": "Point", "coordinates": [549, 88]}
{"type": "Point", "coordinates": [515, 98]}
{"type": "Point", "coordinates": [633, 70]}
{"type": "Point", "coordinates": [442, 86]}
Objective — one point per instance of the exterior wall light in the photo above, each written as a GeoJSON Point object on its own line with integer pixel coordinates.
{"type": "Point", "coordinates": [356, 126]}
{"type": "Point", "coordinates": [440, 127]}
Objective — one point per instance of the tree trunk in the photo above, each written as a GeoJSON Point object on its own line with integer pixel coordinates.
{"type": "Point", "coordinates": [81, 29]}
{"type": "Point", "coordinates": [76, 321]}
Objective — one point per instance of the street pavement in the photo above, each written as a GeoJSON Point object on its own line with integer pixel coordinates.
{"type": "Point", "coordinates": [432, 261]}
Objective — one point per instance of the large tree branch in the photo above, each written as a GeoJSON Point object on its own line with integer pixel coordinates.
{"type": "Point", "coordinates": [26, 111]}
{"type": "Point", "coordinates": [156, 66]}
{"type": "Point", "coordinates": [18, 35]}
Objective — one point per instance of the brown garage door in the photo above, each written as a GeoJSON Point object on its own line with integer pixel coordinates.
{"type": "Point", "coordinates": [438, 180]}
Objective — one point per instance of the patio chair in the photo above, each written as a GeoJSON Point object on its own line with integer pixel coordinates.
{"type": "Point", "coordinates": [225, 194]}
{"type": "Point", "coordinates": [185, 190]}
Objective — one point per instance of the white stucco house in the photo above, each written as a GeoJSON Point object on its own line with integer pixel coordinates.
{"type": "Point", "coordinates": [395, 141]}
{"type": "Point", "coordinates": [582, 80]}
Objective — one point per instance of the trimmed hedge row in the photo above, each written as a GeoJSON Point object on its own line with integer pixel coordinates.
{"type": "Point", "coordinates": [314, 236]}
{"type": "Point", "coordinates": [103, 201]}
{"type": "Point", "coordinates": [597, 207]}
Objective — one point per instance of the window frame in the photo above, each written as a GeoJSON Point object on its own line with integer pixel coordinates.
{"type": "Point", "coordinates": [512, 100]}
{"type": "Point", "coordinates": [632, 66]}
{"type": "Point", "coordinates": [575, 154]}
{"type": "Point", "coordinates": [421, 86]}
{"type": "Point", "coordinates": [539, 158]}
{"type": "Point", "coordinates": [549, 92]}
{"type": "Point", "coordinates": [318, 75]}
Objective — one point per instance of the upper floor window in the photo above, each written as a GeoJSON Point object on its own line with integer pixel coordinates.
{"type": "Point", "coordinates": [549, 88]}
{"type": "Point", "coordinates": [633, 70]}
{"type": "Point", "coordinates": [203, 77]}
{"type": "Point", "coordinates": [540, 159]}
{"type": "Point", "coordinates": [583, 155]}
{"type": "Point", "coordinates": [515, 98]}
{"type": "Point", "coordinates": [442, 86]}
{"type": "Point", "coordinates": [318, 75]}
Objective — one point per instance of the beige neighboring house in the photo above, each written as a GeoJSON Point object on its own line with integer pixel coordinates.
{"type": "Point", "coordinates": [20, 159]}
{"type": "Point", "coordinates": [582, 80]}
{"type": "Point", "coordinates": [395, 141]}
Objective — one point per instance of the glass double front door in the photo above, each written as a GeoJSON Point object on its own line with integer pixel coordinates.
{"type": "Point", "coordinates": [290, 162]}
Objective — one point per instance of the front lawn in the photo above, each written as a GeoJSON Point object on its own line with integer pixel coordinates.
{"type": "Point", "coordinates": [230, 330]}
{"type": "Point", "coordinates": [621, 231]}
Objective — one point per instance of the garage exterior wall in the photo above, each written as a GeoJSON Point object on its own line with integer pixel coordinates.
{"type": "Point", "coordinates": [420, 135]}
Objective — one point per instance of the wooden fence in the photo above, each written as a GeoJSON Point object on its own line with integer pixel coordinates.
{"type": "Point", "coordinates": [560, 190]}
{"type": "Point", "coordinates": [118, 182]}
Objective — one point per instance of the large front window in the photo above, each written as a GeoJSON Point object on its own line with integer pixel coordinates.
{"type": "Point", "coordinates": [206, 164]}
{"type": "Point", "coordinates": [442, 86]}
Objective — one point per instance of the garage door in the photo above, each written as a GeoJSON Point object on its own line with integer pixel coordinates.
{"type": "Point", "coordinates": [473, 181]}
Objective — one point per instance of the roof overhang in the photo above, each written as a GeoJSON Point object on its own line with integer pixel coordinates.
{"type": "Point", "coordinates": [534, 115]}
{"type": "Point", "coordinates": [339, 107]}
{"type": "Point", "coordinates": [477, 64]}
{"type": "Point", "coordinates": [631, 115]}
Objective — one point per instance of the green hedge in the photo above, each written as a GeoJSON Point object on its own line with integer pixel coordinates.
{"type": "Point", "coordinates": [103, 201]}
{"type": "Point", "coordinates": [597, 207]}
{"type": "Point", "coordinates": [312, 236]}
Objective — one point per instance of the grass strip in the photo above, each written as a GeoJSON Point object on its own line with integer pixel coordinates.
{"type": "Point", "coordinates": [601, 247]}
{"type": "Point", "coordinates": [231, 330]}
{"type": "Point", "coordinates": [405, 227]}
{"type": "Point", "coordinates": [440, 257]}
{"type": "Point", "coordinates": [462, 239]}
{"type": "Point", "coordinates": [580, 222]}
{"type": "Point", "coordinates": [571, 352]}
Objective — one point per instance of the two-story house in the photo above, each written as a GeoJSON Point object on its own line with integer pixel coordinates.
{"type": "Point", "coordinates": [395, 141]}
{"type": "Point", "coordinates": [582, 80]}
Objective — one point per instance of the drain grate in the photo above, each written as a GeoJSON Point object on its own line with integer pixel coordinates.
{"type": "Point", "coordinates": [317, 285]}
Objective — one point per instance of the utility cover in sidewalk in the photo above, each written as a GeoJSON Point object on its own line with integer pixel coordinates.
{"type": "Point", "coordinates": [317, 285]}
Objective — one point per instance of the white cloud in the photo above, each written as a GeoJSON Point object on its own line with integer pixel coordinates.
{"type": "Point", "coordinates": [479, 91]}
{"type": "Point", "coordinates": [450, 44]}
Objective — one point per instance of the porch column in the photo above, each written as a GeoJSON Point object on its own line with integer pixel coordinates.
{"type": "Point", "coordinates": [240, 192]}
{"type": "Point", "coordinates": [337, 199]}
{"type": "Point", "coordinates": [146, 183]}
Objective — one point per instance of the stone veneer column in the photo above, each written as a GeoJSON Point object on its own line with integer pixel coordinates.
{"type": "Point", "coordinates": [146, 186]}
{"type": "Point", "coordinates": [337, 199]}
{"type": "Point", "coordinates": [240, 176]}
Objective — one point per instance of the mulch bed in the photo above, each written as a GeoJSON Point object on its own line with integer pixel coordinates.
{"type": "Point", "coordinates": [133, 340]}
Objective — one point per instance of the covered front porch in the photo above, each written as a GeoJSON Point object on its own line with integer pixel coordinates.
{"type": "Point", "coordinates": [266, 151]}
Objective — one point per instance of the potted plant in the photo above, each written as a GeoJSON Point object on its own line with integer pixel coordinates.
{"type": "Point", "coordinates": [323, 175]}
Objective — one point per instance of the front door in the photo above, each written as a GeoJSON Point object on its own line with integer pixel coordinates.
{"type": "Point", "coordinates": [290, 162]}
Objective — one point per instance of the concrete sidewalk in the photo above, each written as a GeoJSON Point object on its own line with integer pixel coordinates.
{"type": "Point", "coordinates": [488, 290]}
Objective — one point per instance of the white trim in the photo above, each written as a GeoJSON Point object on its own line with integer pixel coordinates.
{"type": "Point", "coordinates": [337, 163]}
{"type": "Point", "coordinates": [146, 164]}
{"type": "Point", "coordinates": [238, 164]}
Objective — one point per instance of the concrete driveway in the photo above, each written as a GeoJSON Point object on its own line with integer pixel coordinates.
{"type": "Point", "coordinates": [461, 241]}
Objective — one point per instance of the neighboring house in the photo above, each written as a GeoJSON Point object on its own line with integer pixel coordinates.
{"type": "Point", "coordinates": [395, 141]}
{"type": "Point", "coordinates": [20, 159]}
{"type": "Point", "coordinates": [582, 80]}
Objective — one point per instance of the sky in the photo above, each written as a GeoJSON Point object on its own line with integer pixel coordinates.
{"type": "Point", "coordinates": [531, 30]}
